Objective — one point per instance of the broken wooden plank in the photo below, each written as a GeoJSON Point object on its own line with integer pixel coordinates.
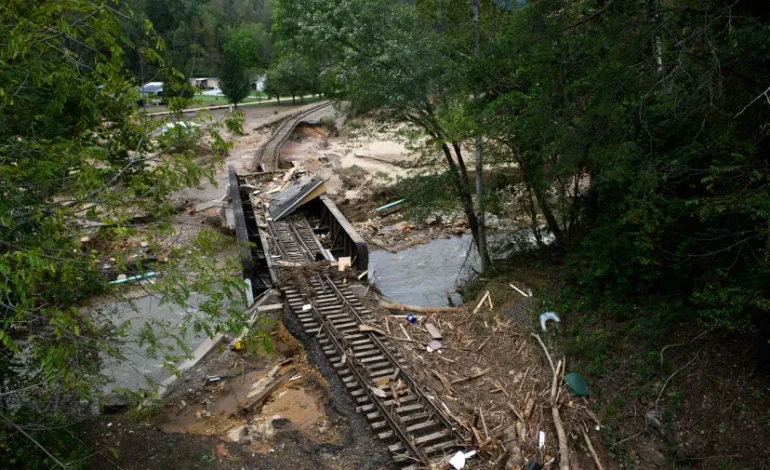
{"type": "Point", "coordinates": [257, 401]}
{"type": "Point", "coordinates": [372, 328]}
{"type": "Point", "coordinates": [433, 331]}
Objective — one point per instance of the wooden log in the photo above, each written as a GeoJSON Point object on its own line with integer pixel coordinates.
{"type": "Point", "coordinates": [417, 309]}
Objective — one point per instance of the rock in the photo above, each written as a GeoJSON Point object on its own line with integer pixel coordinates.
{"type": "Point", "coordinates": [358, 290]}
{"type": "Point", "coordinates": [491, 220]}
{"type": "Point", "coordinates": [202, 414]}
{"type": "Point", "coordinates": [651, 456]}
{"type": "Point", "coordinates": [238, 434]}
{"type": "Point", "coordinates": [85, 239]}
{"type": "Point", "coordinates": [432, 220]}
{"type": "Point", "coordinates": [116, 403]}
{"type": "Point", "coordinates": [144, 244]}
{"type": "Point", "coordinates": [122, 277]}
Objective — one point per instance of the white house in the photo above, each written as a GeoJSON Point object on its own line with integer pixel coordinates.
{"type": "Point", "coordinates": [205, 83]}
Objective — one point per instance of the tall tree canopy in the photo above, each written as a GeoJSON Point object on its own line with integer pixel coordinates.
{"type": "Point", "coordinates": [638, 130]}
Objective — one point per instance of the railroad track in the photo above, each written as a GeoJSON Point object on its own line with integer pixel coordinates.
{"type": "Point", "coordinates": [271, 149]}
{"type": "Point", "coordinates": [413, 427]}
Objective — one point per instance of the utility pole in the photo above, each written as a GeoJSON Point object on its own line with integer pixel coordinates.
{"type": "Point", "coordinates": [480, 214]}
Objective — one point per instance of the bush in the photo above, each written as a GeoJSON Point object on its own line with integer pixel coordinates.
{"type": "Point", "coordinates": [330, 125]}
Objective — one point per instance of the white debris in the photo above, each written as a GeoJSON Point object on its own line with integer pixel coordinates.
{"type": "Point", "coordinates": [548, 316]}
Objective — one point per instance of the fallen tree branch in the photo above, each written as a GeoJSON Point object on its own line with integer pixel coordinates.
{"type": "Point", "coordinates": [592, 451]}
{"type": "Point", "coordinates": [671, 377]}
{"type": "Point", "coordinates": [547, 354]}
{"type": "Point", "coordinates": [563, 446]}
{"type": "Point", "coordinates": [472, 377]}
{"type": "Point", "coordinates": [415, 308]}
{"type": "Point", "coordinates": [684, 343]}
{"type": "Point", "coordinates": [8, 421]}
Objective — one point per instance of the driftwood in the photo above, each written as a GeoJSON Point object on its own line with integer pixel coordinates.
{"type": "Point", "coordinates": [472, 377]}
{"type": "Point", "coordinates": [592, 451]}
{"type": "Point", "coordinates": [415, 308]}
{"type": "Point", "coordinates": [563, 446]}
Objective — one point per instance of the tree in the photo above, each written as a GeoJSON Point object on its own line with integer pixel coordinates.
{"type": "Point", "coordinates": [239, 54]}
{"type": "Point", "coordinates": [78, 163]}
{"type": "Point", "coordinates": [233, 77]}
{"type": "Point", "coordinates": [379, 57]}
{"type": "Point", "coordinates": [292, 75]}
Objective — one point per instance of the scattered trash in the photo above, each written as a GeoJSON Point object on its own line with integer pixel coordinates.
{"type": "Point", "coordinates": [525, 294]}
{"type": "Point", "coordinates": [379, 392]}
{"type": "Point", "coordinates": [434, 346]}
{"type": "Point", "coordinates": [458, 460]}
{"type": "Point", "coordinates": [433, 331]}
{"type": "Point", "coordinates": [576, 385]}
{"type": "Point", "coordinates": [541, 443]}
{"type": "Point", "coordinates": [306, 307]}
{"type": "Point", "coordinates": [548, 316]}
{"type": "Point", "coordinates": [296, 377]}
{"type": "Point", "coordinates": [411, 319]}
{"type": "Point", "coordinates": [533, 465]}
{"type": "Point", "coordinates": [343, 262]}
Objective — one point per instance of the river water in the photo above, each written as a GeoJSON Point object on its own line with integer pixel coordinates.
{"type": "Point", "coordinates": [423, 274]}
{"type": "Point", "coordinates": [138, 370]}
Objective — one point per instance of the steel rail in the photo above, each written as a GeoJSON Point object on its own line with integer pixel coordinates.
{"type": "Point", "coordinates": [402, 373]}
{"type": "Point", "coordinates": [332, 334]}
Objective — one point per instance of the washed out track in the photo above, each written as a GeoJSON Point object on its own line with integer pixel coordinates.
{"type": "Point", "coordinates": [412, 425]}
{"type": "Point", "coordinates": [270, 150]}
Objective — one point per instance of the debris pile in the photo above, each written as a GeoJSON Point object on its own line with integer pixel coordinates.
{"type": "Point", "coordinates": [489, 376]}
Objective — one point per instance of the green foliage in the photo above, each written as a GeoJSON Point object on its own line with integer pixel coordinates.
{"type": "Point", "coordinates": [195, 30]}
{"type": "Point", "coordinates": [427, 194]}
{"type": "Point", "coordinates": [78, 163]}
{"type": "Point", "coordinates": [292, 75]}
{"type": "Point", "coordinates": [330, 125]}
{"type": "Point", "coordinates": [234, 78]}
{"type": "Point", "coordinates": [640, 136]}
{"type": "Point", "coordinates": [234, 122]}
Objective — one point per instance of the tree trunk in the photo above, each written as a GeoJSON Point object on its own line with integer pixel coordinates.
{"type": "Point", "coordinates": [461, 185]}
{"type": "Point", "coordinates": [542, 201]}
{"type": "Point", "coordinates": [480, 214]}
{"type": "Point", "coordinates": [540, 196]}
{"type": "Point", "coordinates": [293, 99]}
{"type": "Point", "coordinates": [278, 98]}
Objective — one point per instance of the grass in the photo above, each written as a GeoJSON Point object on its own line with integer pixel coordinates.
{"type": "Point", "coordinates": [206, 101]}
